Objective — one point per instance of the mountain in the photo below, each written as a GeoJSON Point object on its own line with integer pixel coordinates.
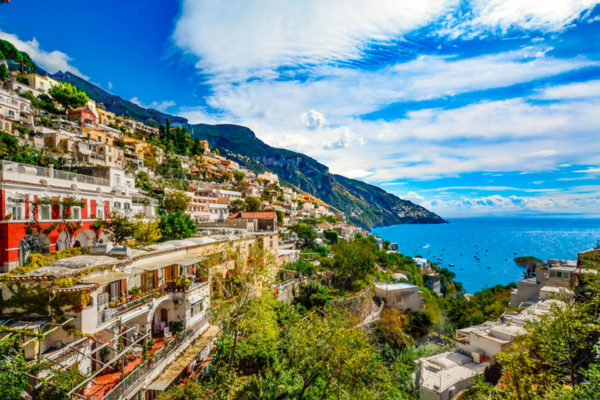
{"type": "Point", "coordinates": [115, 103]}
{"type": "Point", "coordinates": [365, 205]}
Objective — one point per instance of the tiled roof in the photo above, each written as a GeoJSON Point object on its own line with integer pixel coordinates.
{"type": "Point", "coordinates": [258, 214]}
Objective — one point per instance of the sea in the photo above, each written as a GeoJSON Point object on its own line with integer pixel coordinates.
{"type": "Point", "coordinates": [480, 251]}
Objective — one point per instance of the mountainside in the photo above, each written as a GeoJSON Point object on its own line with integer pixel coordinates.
{"type": "Point", "coordinates": [365, 205]}
{"type": "Point", "coordinates": [115, 103]}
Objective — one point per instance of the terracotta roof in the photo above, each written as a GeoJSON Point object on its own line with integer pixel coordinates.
{"type": "Point", "coordinates": [259, 214]}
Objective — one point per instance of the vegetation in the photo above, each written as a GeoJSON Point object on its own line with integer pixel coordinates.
{"type": "Point", "coordinates": [68, 95]}
{"type": "Point", "coordinates": [176, 200]}
{"type": "Point", "coordinates": [119, 228]}
{"type": "Point", "coordinates": [178, 225]}
{"type": "Point", "coordinates": [146, 232]}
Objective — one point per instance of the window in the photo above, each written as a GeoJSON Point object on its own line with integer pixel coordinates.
{"type": "Point", "coordinates": [127, 206]}
{"type": "Point", "coordinates": [76, 212]}
{"type": "Point", "coordinates": [16, 212]}
{"type": "Point", "coordinates": [45, 212]}
{"type": "Point", "coordinates": [99, 212]}
{"type": "Point", "coordinates": [6, 126]}
{"type": "Point", "coordinates": [89, 135]}
{"type": "Point", "coordinates": [106, 140]}
{"type": "Point", "coordinates": [103, 298]}
{"type": "Point", "coordinates": [99, 138]}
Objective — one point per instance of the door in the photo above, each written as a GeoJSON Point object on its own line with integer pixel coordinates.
{"type": "Point", "coordinates": [164, 315]}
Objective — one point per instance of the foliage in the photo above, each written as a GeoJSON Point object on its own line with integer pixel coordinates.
{"type": "Point", "coordinates": [119, 228]}
{"type": "Point", "coordinates": [10, 52]}
{"type": "Point", "coordinates": [486, 305]}
{"type": "Point", "coordinates": [37, 260]}
{"type": "Point", "coordinates": [68, 95]}
{"type": "Point", "coordinates": [176, 200]}
{"type": "Point", "coordinates": [331, 236]}
{"type": "Point", "coordinates": [3, 72]}
{"type": "Point", "coordinates": [306, 235]}
{"type": "Point", "coordinates": [252, 204]}
{"type": "Point", "coordinates": [354, 260]}
{"type": "Point", "coordinates": [10, 150]}
{"type": "Point", "coordinates": [12, 370]}
{"type": "Point", "coordinates": [305, 267]}
{"type": "Point", "coordinates": [146, 232]}
{"type": "Point", "coordinates": [178, 225]}
{"type": "Point", "coordinates": [238, 176]}
{"type": "Point", "coordinates": [312, 295]}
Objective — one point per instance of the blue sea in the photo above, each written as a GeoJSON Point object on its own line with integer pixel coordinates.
{"type": "Point", "coordinates": [482, 249]}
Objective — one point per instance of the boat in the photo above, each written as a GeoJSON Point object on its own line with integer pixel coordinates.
{"type": "Point", "coordinates": [488, 268]}
{"type": "Point", "coordinates": [452, 265]}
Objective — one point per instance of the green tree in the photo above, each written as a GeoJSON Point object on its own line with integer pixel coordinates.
{"type": "Point", "coordinates": [331, 236]}
{"type": "Point", "coordinates": [177, 225]}
{"type": "Point", "coordinates": [119, 228]}
{"type": "Point", "coordinates": [252, 204]}
{"type": "Point", "coordinates": [355, 260]}
{"type": "Point", "coordinates": [146, 232]}
{"type": "Point", "coordinates": [238, 176]}
{"type": "Point", "coordinates": [176, 200]}
{"type": "Point", "coordinates": [68, 95]}
{"type": "Point", "coordinates": [306, 235]}
{"type": "Point", "coordinates": [12, 370]}
{"type": "Point", "coordinates": [3, 72]}
{"type": "Point", "coordinates": [236, 205]}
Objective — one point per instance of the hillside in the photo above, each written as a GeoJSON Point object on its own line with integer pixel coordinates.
{"type": "Point", "coordinates": [365, 205]}
{"type": "Point", "coordinates": [115, 103]}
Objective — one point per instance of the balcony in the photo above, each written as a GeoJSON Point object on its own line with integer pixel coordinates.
{"type": "Point", "coordinates": [18, 172]}
{"type": "Point", "coordinates": [156, 362]}
{"type": "Point", "coordinates": [111, 313]}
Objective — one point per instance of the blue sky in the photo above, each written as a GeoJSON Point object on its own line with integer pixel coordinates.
{"type": "Point", "coordinates": [466, 107]}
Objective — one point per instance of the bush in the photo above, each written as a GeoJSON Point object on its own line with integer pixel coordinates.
{"type": "Point", "coordinates": [177, 226]}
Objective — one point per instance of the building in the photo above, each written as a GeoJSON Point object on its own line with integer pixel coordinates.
{"type": "Point", "coordinates": [82, 115]}
{"type": "Point", "coordinates": [555, 278]}
{"type": "Point", "coordinates": [402, 296]}
{"type": "Point", "coordinates": [262, 221]}
{"type": "Point", "coordinates": [219, 210]}
{"type": "Point", "coordinates": [14, 109]}
{"type": "Point", "coordinates": [106, 117]}
{"type": "Point", "coordinates": [443, 376]}
{"type": "Point", "coordinates": [269, 177]}
{"type": "Point", "coordinates": [422, 263]}
{"type": "Point", "coordinates": [40, 83]}
{"type": "Point", "coordinates": [135, 127]}
{"type": "Point", "coordinates": [42, 198]}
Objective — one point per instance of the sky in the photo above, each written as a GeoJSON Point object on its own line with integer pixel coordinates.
{"type": "Point", "coordinates": [467, 107]}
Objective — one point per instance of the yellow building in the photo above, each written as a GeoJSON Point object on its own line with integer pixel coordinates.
{"type": "Point", "coordinates": [100, 134]}
{"type": "Point", "coordinates": [140, 147]}
{"type": "Point", "coordinates": [40, 83]}
{"type": "Point", "coordinates": [106, 117]}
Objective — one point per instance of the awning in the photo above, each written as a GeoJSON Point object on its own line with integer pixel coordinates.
{"type": "Point", "coordinates": [176, 368]}
{"type": "Point", "coordinates": [190, 260]}
{"type": "Point", "coordinates": [106, 278]}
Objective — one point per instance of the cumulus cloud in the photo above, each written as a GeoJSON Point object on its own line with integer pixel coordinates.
{"type": "Point", "coordinates": [155, 105]}
{"type": "Point", "coordinates": [313, 119]}
{"type": "Point", "coordinates": [52, 61]}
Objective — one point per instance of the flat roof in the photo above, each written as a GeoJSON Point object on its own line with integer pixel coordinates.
{"type": "Point", "coordinates": [395, 286]}
{"type": "Point", "coordinates": [106, 278]}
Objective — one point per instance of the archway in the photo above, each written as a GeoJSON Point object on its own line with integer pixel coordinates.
{"type": "Point", "coordinates": [169, 314]}
{"type": "Point", "coordinates": [85, 238]}
{"type": "Point", "coordinates": [64, 241]}
{"type": "Point", "coordinates": [34, 243]}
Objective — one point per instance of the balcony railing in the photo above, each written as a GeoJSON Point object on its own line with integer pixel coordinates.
{"type": "Point", "coordinates": [26, 169]}
{"type": "Point", "coordinates": [152, 363]}
{"type": "Point", "coordinates": [113, 312]}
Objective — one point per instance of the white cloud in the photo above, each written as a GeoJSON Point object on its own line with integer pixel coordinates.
{"type": "Point", "coordinates": [52, 62]}
{"type": "Point", "coordinates": [237, 38]}
{"type": "Point", "coordinates": [590, 170]}
{"type": "Point", "coordinates": [542, 15]}
{"type": "Point", "coordinates": [570, 91]}
{"type": "Point", "coordinates": [583, 203]}
{"type": "Point", "coordinates": [155, 105]}
{"type": "Point", "coordinates": [542, 153]}
{"type": "Point", "coordinates": [313, 119]}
